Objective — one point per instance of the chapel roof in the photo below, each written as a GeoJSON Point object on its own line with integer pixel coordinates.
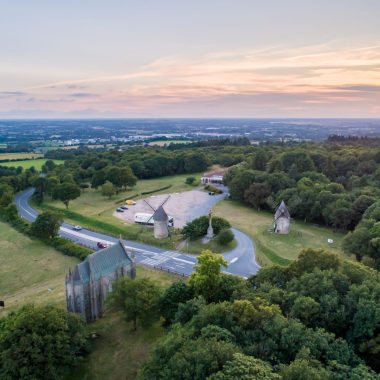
{"type": "Point", "coordinates": [102, 262]}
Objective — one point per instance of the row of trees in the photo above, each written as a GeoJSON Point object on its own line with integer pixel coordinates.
{"type": "Point", "coordinates": [315, 185]}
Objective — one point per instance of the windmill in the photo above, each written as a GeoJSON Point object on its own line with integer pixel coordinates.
{"type": "Point", "coordinates": [160, 217]}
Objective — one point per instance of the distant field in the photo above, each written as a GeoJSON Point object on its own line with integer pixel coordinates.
{"type": "Point", "coordinates": [167, 142]}
{"type": "Point", "coordinates": [30, 271]}
{"type": "Point", "coordinates": [119, 352]}
{"type": "Point", "coordinates": [19, 156]}
{"type": "Point", "coordinates": [37, 163]}
{"type": "Point", "coordinates": [273, 248]}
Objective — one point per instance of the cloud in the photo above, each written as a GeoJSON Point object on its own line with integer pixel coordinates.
{"type": "Point", "coordinates": [12, 93]}
{"type": "Point", "coordinates": [83, 95]}
{"type": "Point", "coordinates": [310, 79]}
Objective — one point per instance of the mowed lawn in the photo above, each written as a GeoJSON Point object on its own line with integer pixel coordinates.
{"type": "Point", "coordinates": [273, 248]}
{"type": "Point", "coordinates": [119, 352]}
{"type": "Point", "coordinates": [30, 271]}
{"type": "Point", "coordinates": [26, 164]}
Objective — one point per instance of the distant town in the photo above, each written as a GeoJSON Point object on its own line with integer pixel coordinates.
{"type": "Point", "coordinates": [42, 135]}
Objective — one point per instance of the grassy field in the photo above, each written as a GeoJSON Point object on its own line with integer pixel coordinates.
{"type": "Point", "coordinates": [119, 351]}
{"type": "Point", "coordinates": [196, 246]}
{"type": "Point", "coordinates": [30, 271]}
{"type": "Point", "coordinates": [95, 211]}
{"type": "Point", "coordinates": [26, 164]}
{"type": "Point", "coordinates": [19, 156]}
{"type": "Point", "coordinates": [167, 142]}
{"type": "Point", "coordinates": [273, 248]}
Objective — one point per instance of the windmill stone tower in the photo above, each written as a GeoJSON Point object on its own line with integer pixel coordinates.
{"type": "Point", "coordinates": [160, 218]}
{"type": "Point", "coordinates": [282, 220]}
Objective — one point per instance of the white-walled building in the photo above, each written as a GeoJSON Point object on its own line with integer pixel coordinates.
{"type": "Point", "coordinates": [213, 177]}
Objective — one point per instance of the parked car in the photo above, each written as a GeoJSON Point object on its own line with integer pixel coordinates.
{"type": "Point", "coordinates": [77, 228]}
{"type": "Point", "coordinates": [130, 202]}
{"type": "Point", "coordinates": [101, 245]}
{"type": "Point", "coordinates": [124, 207]}
{"type": "Point", "coordinates": [119, 209]}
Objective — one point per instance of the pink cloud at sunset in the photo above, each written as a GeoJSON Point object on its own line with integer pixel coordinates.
{"type": "Point", "coordinates": [291, 81]}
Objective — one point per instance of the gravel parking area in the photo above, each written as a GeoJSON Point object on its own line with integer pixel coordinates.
{"type": "Point", "coordinates": [183, 207]}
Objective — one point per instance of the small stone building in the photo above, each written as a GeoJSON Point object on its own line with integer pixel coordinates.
{"type": "Point", "coordinates": [161, 219]}
{"type": "Point", "coordinates": [282, 219]}
{"type": "Point", "coordinates": [88, 285]}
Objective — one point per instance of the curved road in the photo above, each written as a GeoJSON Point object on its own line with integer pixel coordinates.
{"type": "Point", "coordinates": [241, 260]}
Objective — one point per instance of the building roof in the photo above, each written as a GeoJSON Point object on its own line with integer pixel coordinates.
{"type": "Point", "coordinates": [214, 174]}
{"type": "Point", "coordinates": [282, 211]}
{"type": "Point", "coordinates": [102, 262]}
{"type": "Point", "coordinates": [160, 215]}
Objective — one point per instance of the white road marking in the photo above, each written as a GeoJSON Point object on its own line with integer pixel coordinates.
{"type": "Point", "coordinates": [183, 260]}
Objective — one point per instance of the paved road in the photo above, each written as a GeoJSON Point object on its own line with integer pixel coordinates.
{"type": "Point", "coordinates": [241, 260]}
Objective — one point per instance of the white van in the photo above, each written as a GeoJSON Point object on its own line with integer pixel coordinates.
{"type": "Point", "coordinates": [142, 218]}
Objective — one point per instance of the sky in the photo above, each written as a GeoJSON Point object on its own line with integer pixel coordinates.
{"type": "Point", "coordinates": [181, 58]}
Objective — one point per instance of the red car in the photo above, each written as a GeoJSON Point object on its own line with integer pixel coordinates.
{"type": "Point", "coordinates": [101, 245]}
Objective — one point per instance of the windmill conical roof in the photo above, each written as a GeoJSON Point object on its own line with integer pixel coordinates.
{"type": "Point", "coordinates": [282, 210]}
{"type": "Point", "coordinates": [160, 215]}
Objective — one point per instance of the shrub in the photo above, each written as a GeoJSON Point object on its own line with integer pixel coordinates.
{"type": "Point", "coordinates": [225, 237]}
{"type": "Point", "coordinates": [190, 180]}
{"type": "Point", "coordinates": [198, 227]}
{"type": "Point", "coordinates": [156, 190]}
{"type": "Point", "coordinates": [213, 189]}
{"type": "Point", "coordinates": [46, 225]}
{"type": "Point", "coordinates": [68, 248]}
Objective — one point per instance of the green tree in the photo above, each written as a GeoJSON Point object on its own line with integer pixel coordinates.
{"type": "Point", "coordinates": [40, 342]}
{"type": "Point", "coordinates": [108, 189]}
{"type": "Point", "coordinates": [6, 195]}
{"type": "Point", "coordinates": [98, 178]}
{"type": "Point", "coordinates": [46, 225]}
{"type": "Point", "coordinates": [257, 194]}
{"type": "Point", "coordinates": [48, 166]}
{"type": "Point", "coordinates": [245, 367]}
{"type": "Point", "coordinates": [127, 178]}
{"type": "Point", "coordinates": [225, 237]}
{"type": "Point", "coordinates": [190, 180]}
{"type": "Point", "coordinates": [176, 293]}
{"type": "Point", "coordinates": [198, 227]}
{"type": "Point", "coordinates": [207, 273]}
{"type": "Point", "coordinates": [138, 298]}
{"type": "Point", "coordinates": [10, 212]}
{"type": "Point", "coordinates": [41, 184]}
{"type": "Point", "coordinates": [301, 369]}
{"type": "Point", "coordinates": [114, 175]}
{"type": "Point", "coordinates": [66, 192]}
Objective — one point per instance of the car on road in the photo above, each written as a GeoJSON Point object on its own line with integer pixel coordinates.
{"type": "Point", "coordinates": [124, 207]}
{"type": "Point", "coordinates": [211, 193]}
{"type": "Point", "coordinates": [119, 209]}
{"type": "Point", "coordinates": [130, 202]}
{"type": "Point", "coordinates": [77, 228]}
{"type": "Point", "coordinates": [101, 245]}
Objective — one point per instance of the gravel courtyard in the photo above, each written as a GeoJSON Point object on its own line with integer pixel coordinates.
{"type": "Point", "coordinates": [183, 207]}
